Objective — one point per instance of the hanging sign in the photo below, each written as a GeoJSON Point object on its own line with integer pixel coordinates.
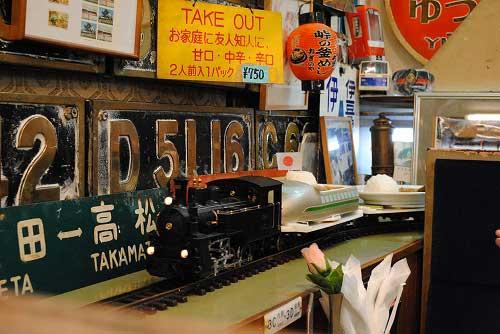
{"type": "Point", "coordinates": [423, 26]}
{"type": "Point", "coordinates": [208, 42]}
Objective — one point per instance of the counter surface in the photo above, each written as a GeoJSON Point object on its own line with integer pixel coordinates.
{"type": "Point", "coordinates": [256, 294]}
{"type": "Point", "coordinates": [244, 299]}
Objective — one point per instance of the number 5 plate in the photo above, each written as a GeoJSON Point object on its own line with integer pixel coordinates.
{"type": "Point", "coordinates": [283, 316]}
{"type": "Point", "coordinates": [42, 151]}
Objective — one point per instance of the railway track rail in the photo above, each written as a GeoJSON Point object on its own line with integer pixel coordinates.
{"type": "Point", "coordinates": [167, 293]}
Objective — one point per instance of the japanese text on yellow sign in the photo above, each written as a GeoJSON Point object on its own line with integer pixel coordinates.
{"type": "Point", "coordinates": [209, 42]}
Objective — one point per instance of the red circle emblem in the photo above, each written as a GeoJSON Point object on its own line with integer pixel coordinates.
{"type": "Point", "coordinates": [423, 26]}
{"type": "Point", "coordinates": [288, 161]}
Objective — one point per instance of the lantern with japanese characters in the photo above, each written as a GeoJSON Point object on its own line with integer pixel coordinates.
{"type": "Point", "coordinates": [312, 52]}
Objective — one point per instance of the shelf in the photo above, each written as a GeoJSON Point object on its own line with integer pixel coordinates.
{"type": "Point", "coordinates": [387, 101]}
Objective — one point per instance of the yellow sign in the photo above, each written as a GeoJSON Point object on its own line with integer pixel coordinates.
{"type": "Point", "coordinates": [210, 42]}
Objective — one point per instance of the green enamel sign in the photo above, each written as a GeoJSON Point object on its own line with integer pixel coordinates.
{"type": "Point", "coordinates": [56, 247]}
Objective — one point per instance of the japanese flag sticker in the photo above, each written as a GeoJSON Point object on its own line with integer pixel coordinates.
{"type": "Point", "coordinates": [289, 161]}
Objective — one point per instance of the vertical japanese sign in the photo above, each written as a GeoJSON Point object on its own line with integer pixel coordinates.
{"type": "Point", "coordinates": [341, 98]}
{"type": "Point", "coordinates": [423, 26]}
{"type": "Point", "coordinates": [208, 42]}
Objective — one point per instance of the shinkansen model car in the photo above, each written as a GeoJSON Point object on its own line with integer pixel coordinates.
{"type": "Point", "coordinates": [304, 200]}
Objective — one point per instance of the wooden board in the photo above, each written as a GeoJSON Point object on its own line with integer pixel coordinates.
{"type": "Point", "coordinates": [460, 222]}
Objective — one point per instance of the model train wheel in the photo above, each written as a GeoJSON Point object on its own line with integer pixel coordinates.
{"type": "Point", "coordinates": [244, 254]}
{"type": "Point", "coordinates": [280, 243]}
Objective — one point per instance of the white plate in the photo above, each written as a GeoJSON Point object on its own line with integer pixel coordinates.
{"type": "Point", "coordinates": [397, 200]}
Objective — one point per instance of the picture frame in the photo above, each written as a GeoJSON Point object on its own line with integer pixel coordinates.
{"type": "Point", "coordinates": [287, 96]}
{"type": "Point", "coordinates": [429, 106]}
{"type": "Point", "coordinates": [100, 26]}
{"type": "Point", "coordinates": [338, 150]}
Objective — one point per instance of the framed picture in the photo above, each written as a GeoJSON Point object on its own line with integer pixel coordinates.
{"type": "Point", "coordinates": [429, 107]}
{"type": "Point", "coordinates": [287, 96]}
{"type": "Point", "coordinates": [338, 150]}
{"type": "Point", "coordinates": [103, 26]}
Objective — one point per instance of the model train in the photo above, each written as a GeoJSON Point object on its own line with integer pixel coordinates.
{"type": "Point", "coordinates": [209, 228]}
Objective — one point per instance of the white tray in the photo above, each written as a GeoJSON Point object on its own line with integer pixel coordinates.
{"type": "Point", "coordinates": [395, 200]}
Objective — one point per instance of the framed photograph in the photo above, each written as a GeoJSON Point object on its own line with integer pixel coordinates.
{"type": "Point", "coordinates": [429, 107]}
{"type": "Point", "coordinates": [338, 150]}
{"type": "Point", "coordinates": [103, 26]}
{"type": "Point", "coordinates": [287, 96]}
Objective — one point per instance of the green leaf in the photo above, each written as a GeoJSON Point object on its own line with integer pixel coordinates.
{"type": "Point", "coordinates": [320, 271]}
{"type": "Point", "coordinates": [328, 266]}
{"type": "Point", "coordinates": [321, 282]}
{"type": "Point", "coordinates": [336, 278]}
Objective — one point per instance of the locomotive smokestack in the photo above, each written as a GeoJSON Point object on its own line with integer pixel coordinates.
{"type": "Point", "coordinates": [181, 190]}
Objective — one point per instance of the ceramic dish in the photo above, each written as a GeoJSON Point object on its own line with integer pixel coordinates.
{"type": "Point", "coordinates": [397, 200]}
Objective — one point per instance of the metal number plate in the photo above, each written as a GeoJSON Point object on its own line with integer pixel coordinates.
{"type": "Point", "coordinates": [142, 146]}
{"type": "Point", "coordinates": [282, 132]}
{"type": "Point", "coordinates": [42, 156]}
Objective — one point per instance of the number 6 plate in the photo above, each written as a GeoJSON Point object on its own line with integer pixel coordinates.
{"type": "Point", "coordinates": [42, 149]}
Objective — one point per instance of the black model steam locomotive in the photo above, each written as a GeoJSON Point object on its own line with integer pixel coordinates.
{"type": "Point", "coordinates": [214, 228]}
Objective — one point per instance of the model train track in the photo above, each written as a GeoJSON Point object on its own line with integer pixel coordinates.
{"type": "Point", "coordinates": [167, 293]}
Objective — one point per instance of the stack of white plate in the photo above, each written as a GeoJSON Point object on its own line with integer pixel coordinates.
{"type": "Point", "coordinates": [395, 200]}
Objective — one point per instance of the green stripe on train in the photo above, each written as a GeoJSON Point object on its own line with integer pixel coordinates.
{"type": "Point", "coordinates": [329, 206]}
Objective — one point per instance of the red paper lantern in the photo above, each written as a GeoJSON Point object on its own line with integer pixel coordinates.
{"type": "Point", "coordinates": [311, 50]}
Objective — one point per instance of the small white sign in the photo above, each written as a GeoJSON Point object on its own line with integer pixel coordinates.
{"type": "Point", "coordinates": [283, 316]}
{"type": "Point", "coordinates": [289, 160]}
{"type": "Point", "coordinates": [402, 174]}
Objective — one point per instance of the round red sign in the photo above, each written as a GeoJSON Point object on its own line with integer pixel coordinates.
{"type": "Point", "coordinates": [423, 26]}
{"type": "Point", "coordinates": [288, 161]}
